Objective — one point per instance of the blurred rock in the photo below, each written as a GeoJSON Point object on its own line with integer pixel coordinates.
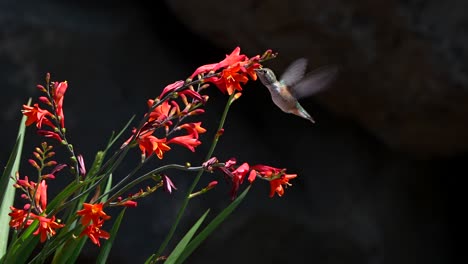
{"type": "Point", "coordinates": [354, 201]}
{"type": "Point", "coordinates": [403, 75]}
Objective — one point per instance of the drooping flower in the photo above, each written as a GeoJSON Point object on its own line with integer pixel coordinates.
{"type": "Point", "coordinates": [18, 217]}
{"type": "Point", "coordinates": [276, 185]}
{"type": "Point", "coordinates": [150, 144]}
{"type": "Point", "coordinates": [92, 212]}
{"type": "Point", "coordinates": [46, 227]}
{"type": "Point", "coordinates": [188, 141]}
{"type": "Point", "coordinates": [49, 134]}
{"type": "Point", "coordinates": [238, 177]}
{"type": "Point", "coordinates": [277, 177]}
{"type": "Point", "coordinates": [230, 59]}
{"type": "Point", "coordinates": [94, 232]}
{"type": "Point", "coordinates": [36, 115]}
{"type": "Point", "coordinates": [160, 113]}
{"type": "Point", "coordinates": [230, 80]}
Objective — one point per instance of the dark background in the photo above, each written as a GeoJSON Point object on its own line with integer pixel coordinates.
{"type": "Point", "coordinates": [378, 173]}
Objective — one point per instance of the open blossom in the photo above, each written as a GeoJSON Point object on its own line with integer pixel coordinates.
{"type": "Point", "coordinates": [230, 80]}
{"type": "Point", "coordinates": [150, 144]}
{"type": "Point", "coordinates": [18, 217]}
{"type": "Point", "coordinates": [94, 232]}
{"type": "Point", "coordinates": [231, 59]}
{"type": "Point", "coordinates": [236, 68]}
{"type": "Point", "coordinates": [188, 141]}
{"type": "Point", "coordinates": [278, 178]}
{"type": "Point", "coordinates": [46, 227]}
{"type": "Point", "coordinates": [35, 114]}
{"type": "Point", "coordinates": [92, 212]}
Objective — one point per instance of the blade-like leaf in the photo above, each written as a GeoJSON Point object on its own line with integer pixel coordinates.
{"type": "Point", "coordinates": [7, 191]}
{"type": "Point", "coordinates": [211, 227]}
{"type": "Point", "coordinates": [114, 139]}
{"type": "Point", "coordinates": [185, 240]}
{"type": "Point", "coordinates": [21, 249]}
{"type": "Point", "coordinates": [106, 190]}
{"type": "Point", "coordinates": [106, 248]}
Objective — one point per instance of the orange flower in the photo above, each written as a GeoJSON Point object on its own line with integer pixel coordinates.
{"type": "Point", "coordinates": [92, 212]}
{"type": "Point", "coordinates": [276, 176]}
{"type": "Point", "coordinates": [46, 227]}
{"type": "Point", "coordinates": [58, 92]}
{"type": "Point", "coordinates": [41, 196]}
{"type": "Point", "coordinates": [276, 185]}
{"type": "Point", "coordinates": [18, 216]}
{"type": "Point", "coordinates": [188, 141]}
{"type": "Point", "coordinates": [193, 128]}
{"type": "Point", "coordinates": [150, 144]}
{"type": "Point", "coordinates": [230, 79]}
{"type": "Point", "coordinates": [231, 59]}
{"type": "Point", "coordinates": [160, 112]}
{"type": "Point", "coordinates": [36, 115]}
{"type": "Point", "coordinates": [94, 232]}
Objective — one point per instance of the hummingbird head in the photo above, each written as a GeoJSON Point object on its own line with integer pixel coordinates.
{"type": "Point", "coordinates": [266, 76]}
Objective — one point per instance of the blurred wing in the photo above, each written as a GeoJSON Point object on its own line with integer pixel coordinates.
{"type": "Point", "coordinates": [315, 81]}
{"type": "Point", "coordinates": [294, 72]}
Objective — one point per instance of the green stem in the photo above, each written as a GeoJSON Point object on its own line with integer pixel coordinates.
{"type": "Point", "coordinates": [194, 184]}
{"type": "Point", "coordinates": [147, 176]}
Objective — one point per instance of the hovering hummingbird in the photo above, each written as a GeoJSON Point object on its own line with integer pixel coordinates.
{"type": "Point", "coordinates": [293, 85]}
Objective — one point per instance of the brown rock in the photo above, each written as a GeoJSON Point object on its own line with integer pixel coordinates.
{"type": "Point", "coordinates": [402, 62]}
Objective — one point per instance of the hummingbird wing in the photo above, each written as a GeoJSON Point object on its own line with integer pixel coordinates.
{"type": "Point", "coordinates": [314, 82]}
{"type": "Point", "coordinates": [294, 72]}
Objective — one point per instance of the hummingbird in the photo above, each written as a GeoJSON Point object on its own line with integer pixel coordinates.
{"type": "Point", "coordinates": [293, 85]}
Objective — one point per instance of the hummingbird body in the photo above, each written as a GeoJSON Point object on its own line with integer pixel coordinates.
{"type": "Point", "coordinates": [292, 86]}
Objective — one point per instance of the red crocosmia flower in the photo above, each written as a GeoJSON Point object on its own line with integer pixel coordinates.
{"type": "Point", "coordinates": [266, 171]}
{"type": "Point", "coordinates": [238, 177]}
{"type": "Point", "coordinates": [171, 87]}
{"type": "Point", "coordinates": [276, 185]}
{"type": "Point", "coordinates": [230, 80]}
{"type": "Point", "coordinates": [92, 212]}
{"type": "Point", "coordinates": [231, 59]}
{"type": "Point", "coordinates": [252, 176]}
{"type": "Point", "coordinates": [250, 66]}
{"type": "Point", "coordinates": [41, 196]}
{"type": "Point", "coordinates": [46, 227]}
{"type": "Point", "coordinates": [49, 134]}
{"type": "Point", "coordinates": [18, 216]}
{"type": "Point", "coordinates": [160, 113]}
{"type": "Point", "coordinates": [94, 232]}
{"type": "Point", "coordinates": [36, 115]}
{"type": "Point", "coordinates": [58, 92]}
{"type": "Point", "coordinates": [188, 141]}
{"type": "Point", "coordinates": [150, 144]}
{"type": "Point", "coordinates": [129, 203]}
{"type": "Point", "coordinates": [193, 128]}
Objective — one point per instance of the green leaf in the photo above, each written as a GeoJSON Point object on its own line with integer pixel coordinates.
{"type": "Point", "coordinates": [7, 191]}
{"type": "Point", "coordinates": [211, 227]}
{"type": "Point", "coordinates": [102, 258]}
{"type": "Point", "coordinates": [178, 250]}
{"type": "Point", "coordinates": [106, 190]}
{"type": "Point", "coordinates": [114, 139]}
{"type": "Point", "coordinates": [21, 249]}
